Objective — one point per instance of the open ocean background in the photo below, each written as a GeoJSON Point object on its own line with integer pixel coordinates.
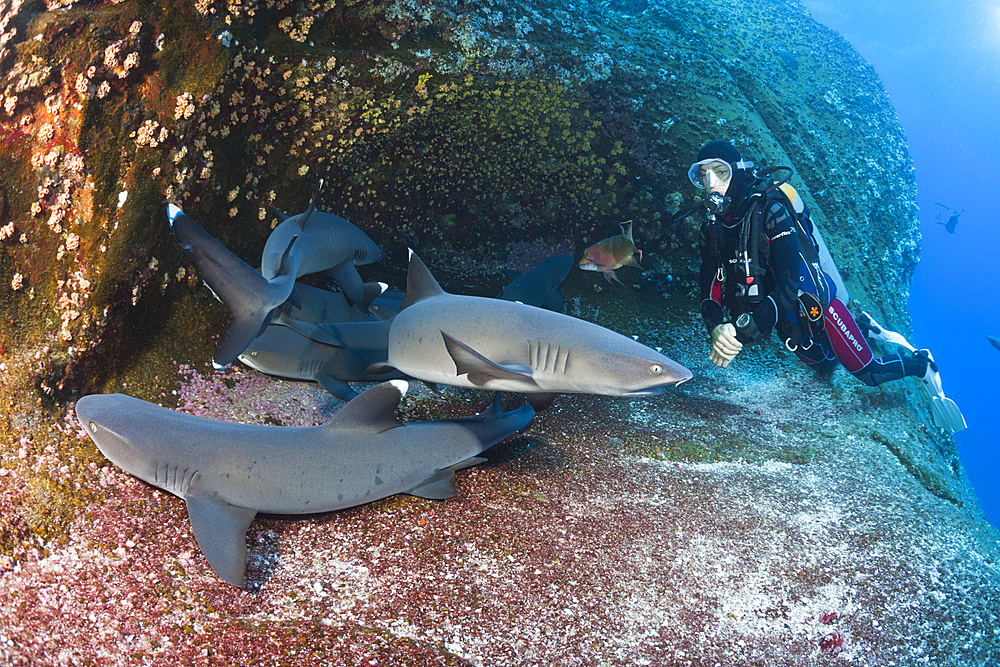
{"type": "Point", "coordinates": [940, 63]}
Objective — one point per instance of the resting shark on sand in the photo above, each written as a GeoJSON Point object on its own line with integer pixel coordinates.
{"type": "Point", "coordinates": [227, 473]}
{"type": "Point", "coordinates": [289, 350]}
{"type": "Point", "coordinates": [482, 343]}
{"type": "Point", "coordinates": [320, 305]}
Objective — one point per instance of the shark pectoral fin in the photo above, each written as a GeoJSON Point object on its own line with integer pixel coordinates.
{"type": "Point", "coordinates": [441, 484]}
{"type": "Point", "coordinates": [320, 333]}
{"type": "Point", "coordinates": [220, 529]}
{"type": "Point", "coordinates": [479, 368]}
{"type": "Point", "coordinates": [339, 389]}
{"type": "Point", "coordinates": [282, 216]}
{"type": "Point", "coordinates": [242, 329]}
{"type": "Point", "coordinates": [380, 367]}
{"type": "Point", "coordinates": [347, 276]}
{"type": "Point", "coordinates": [540, 401]}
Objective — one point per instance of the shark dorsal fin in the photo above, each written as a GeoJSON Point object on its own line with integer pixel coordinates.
{"type": "Point", "coordinates": [304, 218]}
{"type": "Point", "coordinates": [285, 265]}
{"type": "Point", "coordinates": [373, 411]}
{"type": "Point", "coordinates": [420, 284]}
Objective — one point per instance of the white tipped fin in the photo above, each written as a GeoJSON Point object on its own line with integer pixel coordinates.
{"type": "Point", "coordinates": [373, 411]}
{"type": "Point", "coordinates": [172, 212]}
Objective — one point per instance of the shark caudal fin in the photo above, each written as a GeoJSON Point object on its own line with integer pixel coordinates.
{"type": "Point", "coordinates": [493, 424]}
{"type": "Point", "coordinates": [246, 294]}
{"type": "Point", "coordinates": [420, 284]}
{"type": "Point", "coordinates": [303, 218]}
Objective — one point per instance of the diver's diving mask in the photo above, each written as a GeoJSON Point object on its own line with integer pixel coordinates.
{"type": "Point", "coordinates": [714, 174]}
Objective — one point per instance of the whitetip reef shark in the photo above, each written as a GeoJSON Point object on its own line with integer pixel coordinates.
{"type": "Point", "coordinates": [310, 242]}
{"type": "Point", "coordinates": [228, 472]}
{"type": "Point", "coordinates": [298, 351]}
{"type": "Point", "coordinates": [327, 243]}
{"type": "Point", "coordinates": [482, 343]}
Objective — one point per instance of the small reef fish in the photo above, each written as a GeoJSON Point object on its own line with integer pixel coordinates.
{"type": "Point", "coordinates": [227, 472]}
{"type": "Point", "coordinates": [612, 253]}
{"type": "Point", "coordinates": [482, 343]}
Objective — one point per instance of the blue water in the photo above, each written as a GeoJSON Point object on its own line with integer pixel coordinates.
{"type": "Point", "coordinates": [940, 63]}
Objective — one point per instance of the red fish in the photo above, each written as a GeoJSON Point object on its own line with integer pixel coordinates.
{"type": "Point", "coordinates": [612, 253]}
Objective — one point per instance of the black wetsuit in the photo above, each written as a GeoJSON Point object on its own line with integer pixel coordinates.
{"type": "Point", "coordinates": [776, 300]}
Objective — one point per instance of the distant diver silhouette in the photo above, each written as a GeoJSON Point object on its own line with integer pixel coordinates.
{"type": "Point", "coordinates": [952, 221]}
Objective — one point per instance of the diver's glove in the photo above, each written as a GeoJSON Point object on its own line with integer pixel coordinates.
{"type": "Point", "coordinates": [725, 347]}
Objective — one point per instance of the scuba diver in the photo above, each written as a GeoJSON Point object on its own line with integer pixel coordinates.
{"type": "Point", "coordinates": [760, 261]}
{"type": "Point", "coordinates": [952, 220]}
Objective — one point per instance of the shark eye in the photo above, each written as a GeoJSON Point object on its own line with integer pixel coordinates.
{"type": "Point", "coordinates": [93, 427]}
{"type": "Point", "coordinates": [255, 353]}
{"type": "Point", "coordinates": [656, 369]}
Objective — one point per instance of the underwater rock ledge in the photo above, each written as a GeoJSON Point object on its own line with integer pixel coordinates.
{"type": "Point", "coordinates": [760, 515]}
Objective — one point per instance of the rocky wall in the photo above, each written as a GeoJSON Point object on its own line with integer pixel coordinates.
{"type": "Point", "coordinates": [484, 135]}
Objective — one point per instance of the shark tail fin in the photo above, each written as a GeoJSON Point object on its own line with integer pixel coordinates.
{"type": "Point", "coordinates": [245, 293]}
{"type": "Point", "coordinates": [312, 206]}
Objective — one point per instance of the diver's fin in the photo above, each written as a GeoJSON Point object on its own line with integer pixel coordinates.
{"type": "Point", "coordinates": [872, 329]}
{"type": "Point", "coordinates": [946, 414]}
{"type": "Point", "coordinates": [944, 411]}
